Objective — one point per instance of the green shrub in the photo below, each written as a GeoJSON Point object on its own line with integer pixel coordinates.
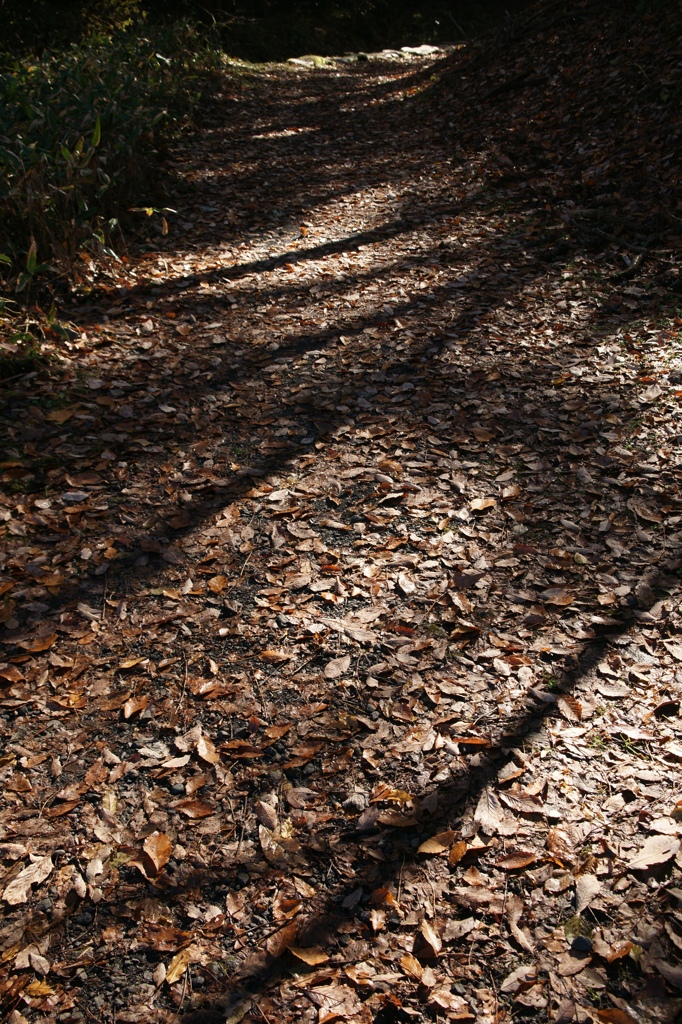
{"type": "Point", "coordinates": [78, 133]}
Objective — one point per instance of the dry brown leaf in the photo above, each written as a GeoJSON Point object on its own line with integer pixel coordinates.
{"type": "Point", "coordinates": [178, 965]}
{"type": "Point", "coordinates": [656, 850]}
{"type": "Point", "coordinates": [558, 596]}
{"type": "Point", "coordinates": [39, 643]}
{"type": "Point", "coordinates": [337, 668]}
{"type": "Point", "coordinates": [267, 815]}
{"type": "Point", "coordinates": [431, 937]}
{"type": "Point", "coordinates": [206, 750]}
{"type": "Point", "coordinates": [439, 843]}
{"type": "Point", "coordinates": [615, 1016]}
{"type": "Point", "coordinates": [587, 888]}
{"type": "Point", "coordinates": [411, 966]}
{"type": "Point", "coordinates": [514, 861]}
{"type": "Point", "coordinates": [644, 511]}
{"type": "Point", "coordinates": [455, 1007]}
{"type": "Point", "coordinates": [377, 919]}
{"type": "Point", "coordinates": [158, 848]}
{"type": "Point", "coordinates": [275, 657]}
{"type": "Point", "coordinates": [514, 912]}
{"type": "Point", "coordinates": [194, 808]}
{"type": "Point", "coordinates": [309, 955]}
{"type": "Point", "coordinates": [217, 584]}
{"type": "Point", "coordinates": [17, 891]}
{"type": "Point", "coordinates": [334, 1001]}
{"type": "Point", "coordinates": [135, 704]}
{"type": "Point", "coordinates": [60, 415]}
{"type": "Point", "coordinates": [489, 814]}
{"type": "Point", "coordinates": [457, 852]}
{"type": "Point", "coordinates": [561, 845]}
{"type": "Point", "coordinates": [570, 708]}
{"type": "Point", "coordinates": [482, 504]}
{"type": "Point", "coordinates": [131, 663]}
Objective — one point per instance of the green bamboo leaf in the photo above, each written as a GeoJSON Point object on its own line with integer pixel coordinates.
{"type": "Point", "coordinates": [97, 134]}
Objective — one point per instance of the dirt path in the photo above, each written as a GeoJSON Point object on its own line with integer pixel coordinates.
{"type": "Point", "coordinates": [342, 598]}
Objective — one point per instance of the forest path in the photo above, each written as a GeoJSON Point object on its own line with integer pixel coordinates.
{"type": "Point", "coordinates": [341, 594]}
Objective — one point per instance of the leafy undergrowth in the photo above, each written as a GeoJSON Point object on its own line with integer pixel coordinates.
{"type": "Point", "coordinates": [79, 134]}
{"type": "Point", "coordinates": [341, 577]}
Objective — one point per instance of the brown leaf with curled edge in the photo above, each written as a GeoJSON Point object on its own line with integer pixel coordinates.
{"type": "Point", "coordinates": [59, 810]}
{"type": "Point", "coordinates": [520, 800]}
{"type": "Point", "coordinates": [377, 919]}
{"type": "Point", "coordinates": [206, 750]}
{"type": "Point", "coordinates": [178, 965]}
{"type": "Point", "coordinates": [431, 937]}
{"type": "Point", "coordinates": [561, 845]}
{"type": "Point", "coordinates": [438, 844]}
{"type": "Point", "coordinates": [558, 596]}
{"type": "Point", "coordinates": [411, 966]}
{"type": "Point", "coordinates": [656, 850]}
{"type": "Point", "coordinates": [39, 643]}
{"type": "Point", "coordinates": [394, 819]}
{"type": "Point", "coordinates": [455, 1006]}
{"type": "Point", "coordinates": [284, 909]}
{"type": "Point", "coordinates": [482, 433]}
{"type": "Point", "coordinates": [267, 815]}
{"type": "Point", "coordinates": [482, 504]}
{"type": "Point", "coordinates": [309, 955]}
{"type": "Point", "coordinates": [130, 663]}
{"type": "Point", "coordinates": [157, 848]}
{"type": "Point", "coordinates": [570, 708]}
{"type": "Point", "coordinates": [135, 704]}
{"type": "Point", "coordinates": [194, 808]}
{"type": "Point", "coordinates": [516, 860]}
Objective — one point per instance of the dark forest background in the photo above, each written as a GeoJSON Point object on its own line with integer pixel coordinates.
{"type": "Point", "coordinates": [259, 29]}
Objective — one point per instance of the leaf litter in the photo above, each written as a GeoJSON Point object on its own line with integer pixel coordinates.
{"type": "Point", "coordinates": [341, 562]}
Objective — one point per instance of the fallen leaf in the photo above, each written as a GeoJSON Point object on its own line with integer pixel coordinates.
{"type": "Point", "coordinates": [309, 955]}
{"type": "Point", "coordinates": [178, 965]}
{"type": "Point", "coordinates": [206, 750]}
{"type": "Point", "coordinates": [158, 848]}
{"type": "Point", "coordinates": [194, 808]}
{"type": "Point", "coordinates": [39, 643]}
{"type": "Point", "coordinates": [337, 668]}
{"type": "Point", "coordinates": [516, 860]}
{"type": "Point", "coordinates": [481, 504]}
{"type": "Point", "coordinates": [587, 888]}
{"type": "Point", "coordinates": [438, 844]}
{"type": "Point", "coordinates": [135, 704]}
{"type": "Point", "coordinates": [556, 596]}
{"type": "Point", "coordinates": [431, 937]}
{"type": "Point", "coordinates": [656, 850]}
{"type": "Point", "coordinates": [489, 814]}
{"type": "Point", "coordinates": [17, 891]}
